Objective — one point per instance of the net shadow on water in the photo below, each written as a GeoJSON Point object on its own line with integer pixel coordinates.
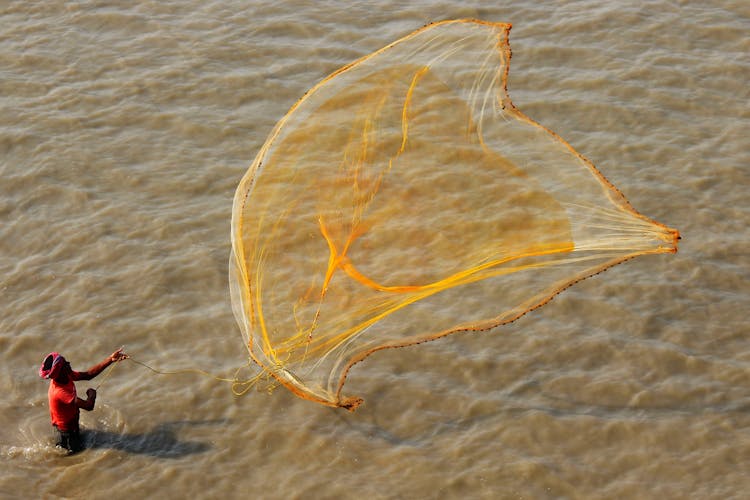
{"type": "Point", "coordinates": [163, 441]}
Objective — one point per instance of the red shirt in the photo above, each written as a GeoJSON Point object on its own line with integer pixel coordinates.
{"type": "Point", "coordinates": [62, 403]}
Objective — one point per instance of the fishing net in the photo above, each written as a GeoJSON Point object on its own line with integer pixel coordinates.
{"type": "Point", "coordinates": [405, 198]}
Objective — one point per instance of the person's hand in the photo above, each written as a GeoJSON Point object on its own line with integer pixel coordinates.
{"type": "Point", "coordinates": [91, 393]}
{"type": "Point", "coordinates": [118, 355]}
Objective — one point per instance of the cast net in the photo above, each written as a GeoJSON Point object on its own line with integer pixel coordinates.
{"type": "Point", "coordinates": [405, 198]}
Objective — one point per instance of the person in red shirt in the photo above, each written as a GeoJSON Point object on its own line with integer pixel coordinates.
{"type": "Point", "coordinates": [64, 403]}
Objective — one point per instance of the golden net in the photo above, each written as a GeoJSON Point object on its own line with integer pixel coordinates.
{"type": "Point", "coordinates": [405, 198]}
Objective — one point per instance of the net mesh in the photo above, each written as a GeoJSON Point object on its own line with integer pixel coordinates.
{"type": "Point", "coordinates": [405, 198]}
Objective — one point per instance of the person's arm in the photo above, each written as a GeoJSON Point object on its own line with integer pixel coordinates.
{"type": "Point", "coordinates": [87, 404]}
{"type": "Point", "coordinates": [95, 370]}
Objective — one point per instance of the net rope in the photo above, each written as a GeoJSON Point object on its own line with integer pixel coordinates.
{"type": "Point", "coordinates": [239, 386]}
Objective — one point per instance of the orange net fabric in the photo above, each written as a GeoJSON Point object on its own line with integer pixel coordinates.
{"type": "Point", "coordinates": [405, 198]}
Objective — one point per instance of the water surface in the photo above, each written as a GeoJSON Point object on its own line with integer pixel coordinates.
{"type": "Point", "coordinates": [124, 130]}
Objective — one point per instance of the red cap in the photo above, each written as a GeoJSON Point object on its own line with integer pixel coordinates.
{"type": "Point", "coordinates": [51, 365]}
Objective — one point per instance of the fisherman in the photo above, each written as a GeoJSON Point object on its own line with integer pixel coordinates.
{"type": "Point", "coordinates": [64, 403]}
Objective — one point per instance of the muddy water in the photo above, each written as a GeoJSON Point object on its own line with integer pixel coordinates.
{"type": "Point", "coordinates": [124, 130]}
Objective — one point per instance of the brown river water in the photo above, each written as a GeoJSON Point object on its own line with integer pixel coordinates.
{"type": "Point", "coordinates": [125, 128]}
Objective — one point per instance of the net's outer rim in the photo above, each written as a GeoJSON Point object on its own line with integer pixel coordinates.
{"type": "Point", "coordinates": [245, 187]}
